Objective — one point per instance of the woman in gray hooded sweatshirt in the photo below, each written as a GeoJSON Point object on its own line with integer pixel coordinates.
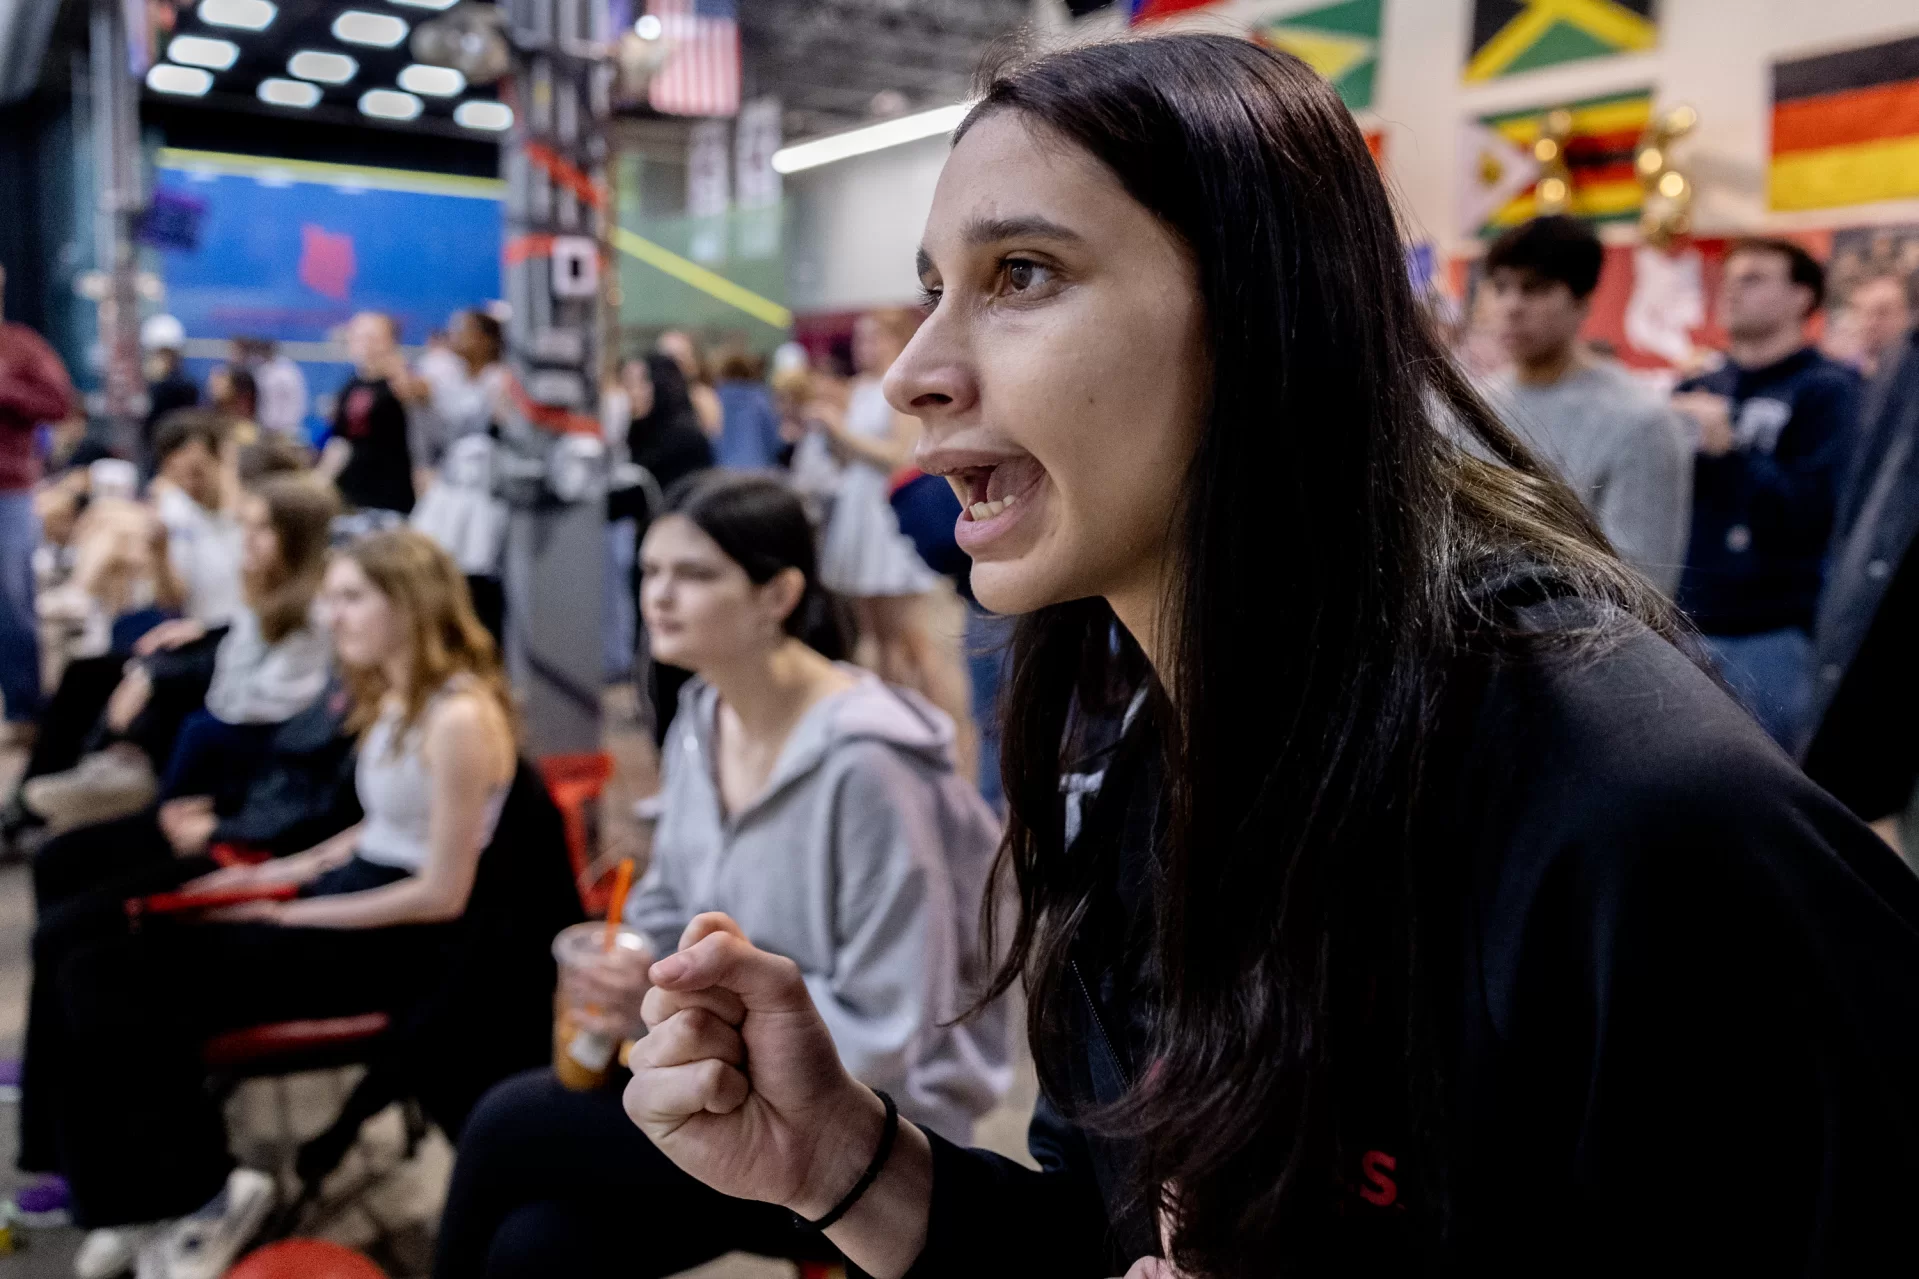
{"type": "Point", "coordinates": [820, 809]}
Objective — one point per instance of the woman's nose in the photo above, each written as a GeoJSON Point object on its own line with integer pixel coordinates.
{"type": "Point", "coordinates": [932, 379]}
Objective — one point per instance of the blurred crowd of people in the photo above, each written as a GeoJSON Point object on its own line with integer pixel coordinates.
{"type": "Point", "coordinates": [1772, 493]}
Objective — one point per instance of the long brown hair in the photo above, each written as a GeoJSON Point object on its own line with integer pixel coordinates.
{"type": "Point", "coordinates": [444, 637]}
{"type": "Point", "coordinates": [1350, 503]}
{"type": "Point", "coordinates": [301, 509]}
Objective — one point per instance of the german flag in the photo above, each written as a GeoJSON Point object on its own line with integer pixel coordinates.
{"type": "Point", "coordinates": [1599, 158]}
{"type": "Point", "coordinates": [1845, 127]}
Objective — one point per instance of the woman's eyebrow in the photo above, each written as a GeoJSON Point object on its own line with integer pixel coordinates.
{"type": "Point", "coordinates": [982, 231]}
{"type": "Point", "coordinates": [1027, 226]}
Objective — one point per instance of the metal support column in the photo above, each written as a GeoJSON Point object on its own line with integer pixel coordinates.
{"type": "Point", "coordinates": [556, 544]}
{"type": "Point", "coordinates": [114, 127]}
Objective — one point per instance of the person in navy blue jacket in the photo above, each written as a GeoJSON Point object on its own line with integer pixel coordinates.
{"type": "Point", "coordinates": [1775, 428]}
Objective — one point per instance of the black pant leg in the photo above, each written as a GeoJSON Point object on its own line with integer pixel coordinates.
{"type": "Point", "coordinates": [69, 716]}
{"type": "Point", "coordinates": [139, 1139]}
{"type": "Point", "coordinates": [81, 880]}
{"type": "Point", "coordinates": [550, 1181]}
{"type": "Point", "coordinates": [91, 857]}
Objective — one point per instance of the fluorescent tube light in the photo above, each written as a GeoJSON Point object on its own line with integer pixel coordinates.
{"type": "Point", "coordinates": [872, 137]}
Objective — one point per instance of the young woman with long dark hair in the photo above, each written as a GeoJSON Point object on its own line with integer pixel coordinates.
{"type": "Point", "coordinates": [1436, 912]}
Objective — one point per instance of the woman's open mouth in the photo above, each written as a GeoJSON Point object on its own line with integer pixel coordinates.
{"type": "Point", "coordinates": [990, 497]}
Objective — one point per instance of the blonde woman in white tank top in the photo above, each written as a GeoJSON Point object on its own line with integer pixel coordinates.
{"type": "Point", "coordinates": [372, 929]}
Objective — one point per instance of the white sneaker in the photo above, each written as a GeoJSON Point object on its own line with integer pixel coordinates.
{"type": "Point", "coordinates": [116, 782]}
{"type": "Point", "coordinates": [106, 1254]}
{"type": "Point", "coordinates": [204, 1245]}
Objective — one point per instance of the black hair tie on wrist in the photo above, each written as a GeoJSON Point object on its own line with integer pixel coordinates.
{"type": "Point", "coordinates": [890, 1127]}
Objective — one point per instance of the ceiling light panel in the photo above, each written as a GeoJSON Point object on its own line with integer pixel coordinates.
{"type": "Point", "coordinates": [288, 93]}
{"type": "Point", "coordinates": [389, 104]}
{"type": "Point", "coordinates": [357, 26]}
{"type": "Point", "coordinates": [434, 82]}
{"type": "Point", "coordinates": [171, 77]}
{"type": "Point", "coordinates": [363, 27]}
{"type": "Point", "coordinates": [478, 113]}
{"type": "Point", "coordinates": [200, 51]}
{"type": "Point", "coordinates": [327, 68]}
{"type": "Point", "coordinates": [427, 4]}
{"type": "Point", "coordinates": [243, 15]}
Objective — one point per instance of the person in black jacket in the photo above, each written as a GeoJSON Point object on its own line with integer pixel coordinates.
{"type": "Point", "coordinates": [1861, 743]}
{"type": "Point", "coordinates": [1436, 912]}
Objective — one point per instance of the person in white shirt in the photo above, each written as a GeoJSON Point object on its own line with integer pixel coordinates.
{"type": "Point", "coordinates": [192, 493]}
{"type": "Point", "coordinates": [283, 396]}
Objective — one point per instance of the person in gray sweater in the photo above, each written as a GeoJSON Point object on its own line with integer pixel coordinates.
{"type": "Point", "coordinates": [1619, 446]}
{"type": "Point", "coordinates": [810, 809]}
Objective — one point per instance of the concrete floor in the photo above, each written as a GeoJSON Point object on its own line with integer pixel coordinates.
{"type": "Point", "coordinates": [394, 1221]}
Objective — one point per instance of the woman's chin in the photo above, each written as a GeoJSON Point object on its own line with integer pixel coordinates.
{"type": "Point", "coordinates": [1010, 587]}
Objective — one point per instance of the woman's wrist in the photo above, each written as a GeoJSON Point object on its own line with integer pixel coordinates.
{"type": "Point", "coordinates": [841, 1157]}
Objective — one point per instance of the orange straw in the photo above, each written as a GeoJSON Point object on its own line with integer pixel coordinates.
{"type": "Point", "coordinates": [616, 905]}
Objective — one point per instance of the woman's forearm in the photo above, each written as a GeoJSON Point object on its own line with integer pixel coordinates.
{"type": "Point", "coordinates": [299, 868]}
{"type": "Point", "coordinates": [411, 901]}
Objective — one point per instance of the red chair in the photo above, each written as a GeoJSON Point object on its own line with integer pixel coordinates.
{"type": "Point", "coordinates": [305, 1259]}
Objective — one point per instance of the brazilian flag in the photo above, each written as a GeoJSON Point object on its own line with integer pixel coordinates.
{"type": "Point", "coordinates": [1512, 36]}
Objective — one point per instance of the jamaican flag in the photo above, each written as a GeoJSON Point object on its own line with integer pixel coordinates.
{"type": "Point", "coordinates": [1845, 126]}
{"type": "Point", "coordinates": [1340, 41]}
{"type": "Point", "coordinates": [1511, 36]}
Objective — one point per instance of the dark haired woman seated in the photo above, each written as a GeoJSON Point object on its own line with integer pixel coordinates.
{"type": "Point", "coordinates": [821, 809]}
{"type": "Point", "coordinates": [1437, 914]}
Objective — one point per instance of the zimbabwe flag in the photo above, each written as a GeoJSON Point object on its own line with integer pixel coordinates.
{"type": "Point", "coordinates": [1845, 127]}
{"type": "Point", "coordinates": [1501, 172]}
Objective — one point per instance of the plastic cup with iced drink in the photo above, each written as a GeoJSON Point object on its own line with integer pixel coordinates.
{"type": "Point", "coordinates": [582, 1050]}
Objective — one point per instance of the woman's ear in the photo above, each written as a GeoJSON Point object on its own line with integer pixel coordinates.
{"type": "Point", "coordinates": [783, 592]}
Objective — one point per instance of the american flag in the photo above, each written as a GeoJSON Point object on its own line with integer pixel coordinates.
{"type": "Point", "coordinates": [702, 73]}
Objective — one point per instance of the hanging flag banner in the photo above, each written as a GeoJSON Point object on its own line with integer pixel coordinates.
{"type": "Point", "coordinates": [1500, 168]}
{"type": "Point", "coordinates": [701, 74]}
{"type": "Point", "coordinates": [1147, 10]}
{"type": "Point", "coordinates": [1512, 36]}
{"type": "Point", "coordinates": [1340, 41]}
{"type": "Point", "coordinates": [1845, 127]}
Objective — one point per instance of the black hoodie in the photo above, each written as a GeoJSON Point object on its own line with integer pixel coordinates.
{"type": "Point", "coordinates": [1682, 1025]}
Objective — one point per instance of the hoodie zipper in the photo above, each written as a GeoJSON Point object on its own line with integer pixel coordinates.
{"type": "Point", "coordinates": [1092, 1006]}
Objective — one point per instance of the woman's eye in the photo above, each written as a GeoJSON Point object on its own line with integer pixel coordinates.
{"type": "Point", "coordinates": [1023, 276]}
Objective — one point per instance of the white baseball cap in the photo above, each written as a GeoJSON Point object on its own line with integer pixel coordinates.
{"type": "Point", "coordinates": [162, 333]}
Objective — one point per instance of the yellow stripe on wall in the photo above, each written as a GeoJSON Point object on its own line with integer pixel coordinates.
{"type": "Point", "coordinates": [1858, 173]}
{"type": "Point", "coordinates": [711, 283]}
{"type": "Point", "coordinates": [231, 164]}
